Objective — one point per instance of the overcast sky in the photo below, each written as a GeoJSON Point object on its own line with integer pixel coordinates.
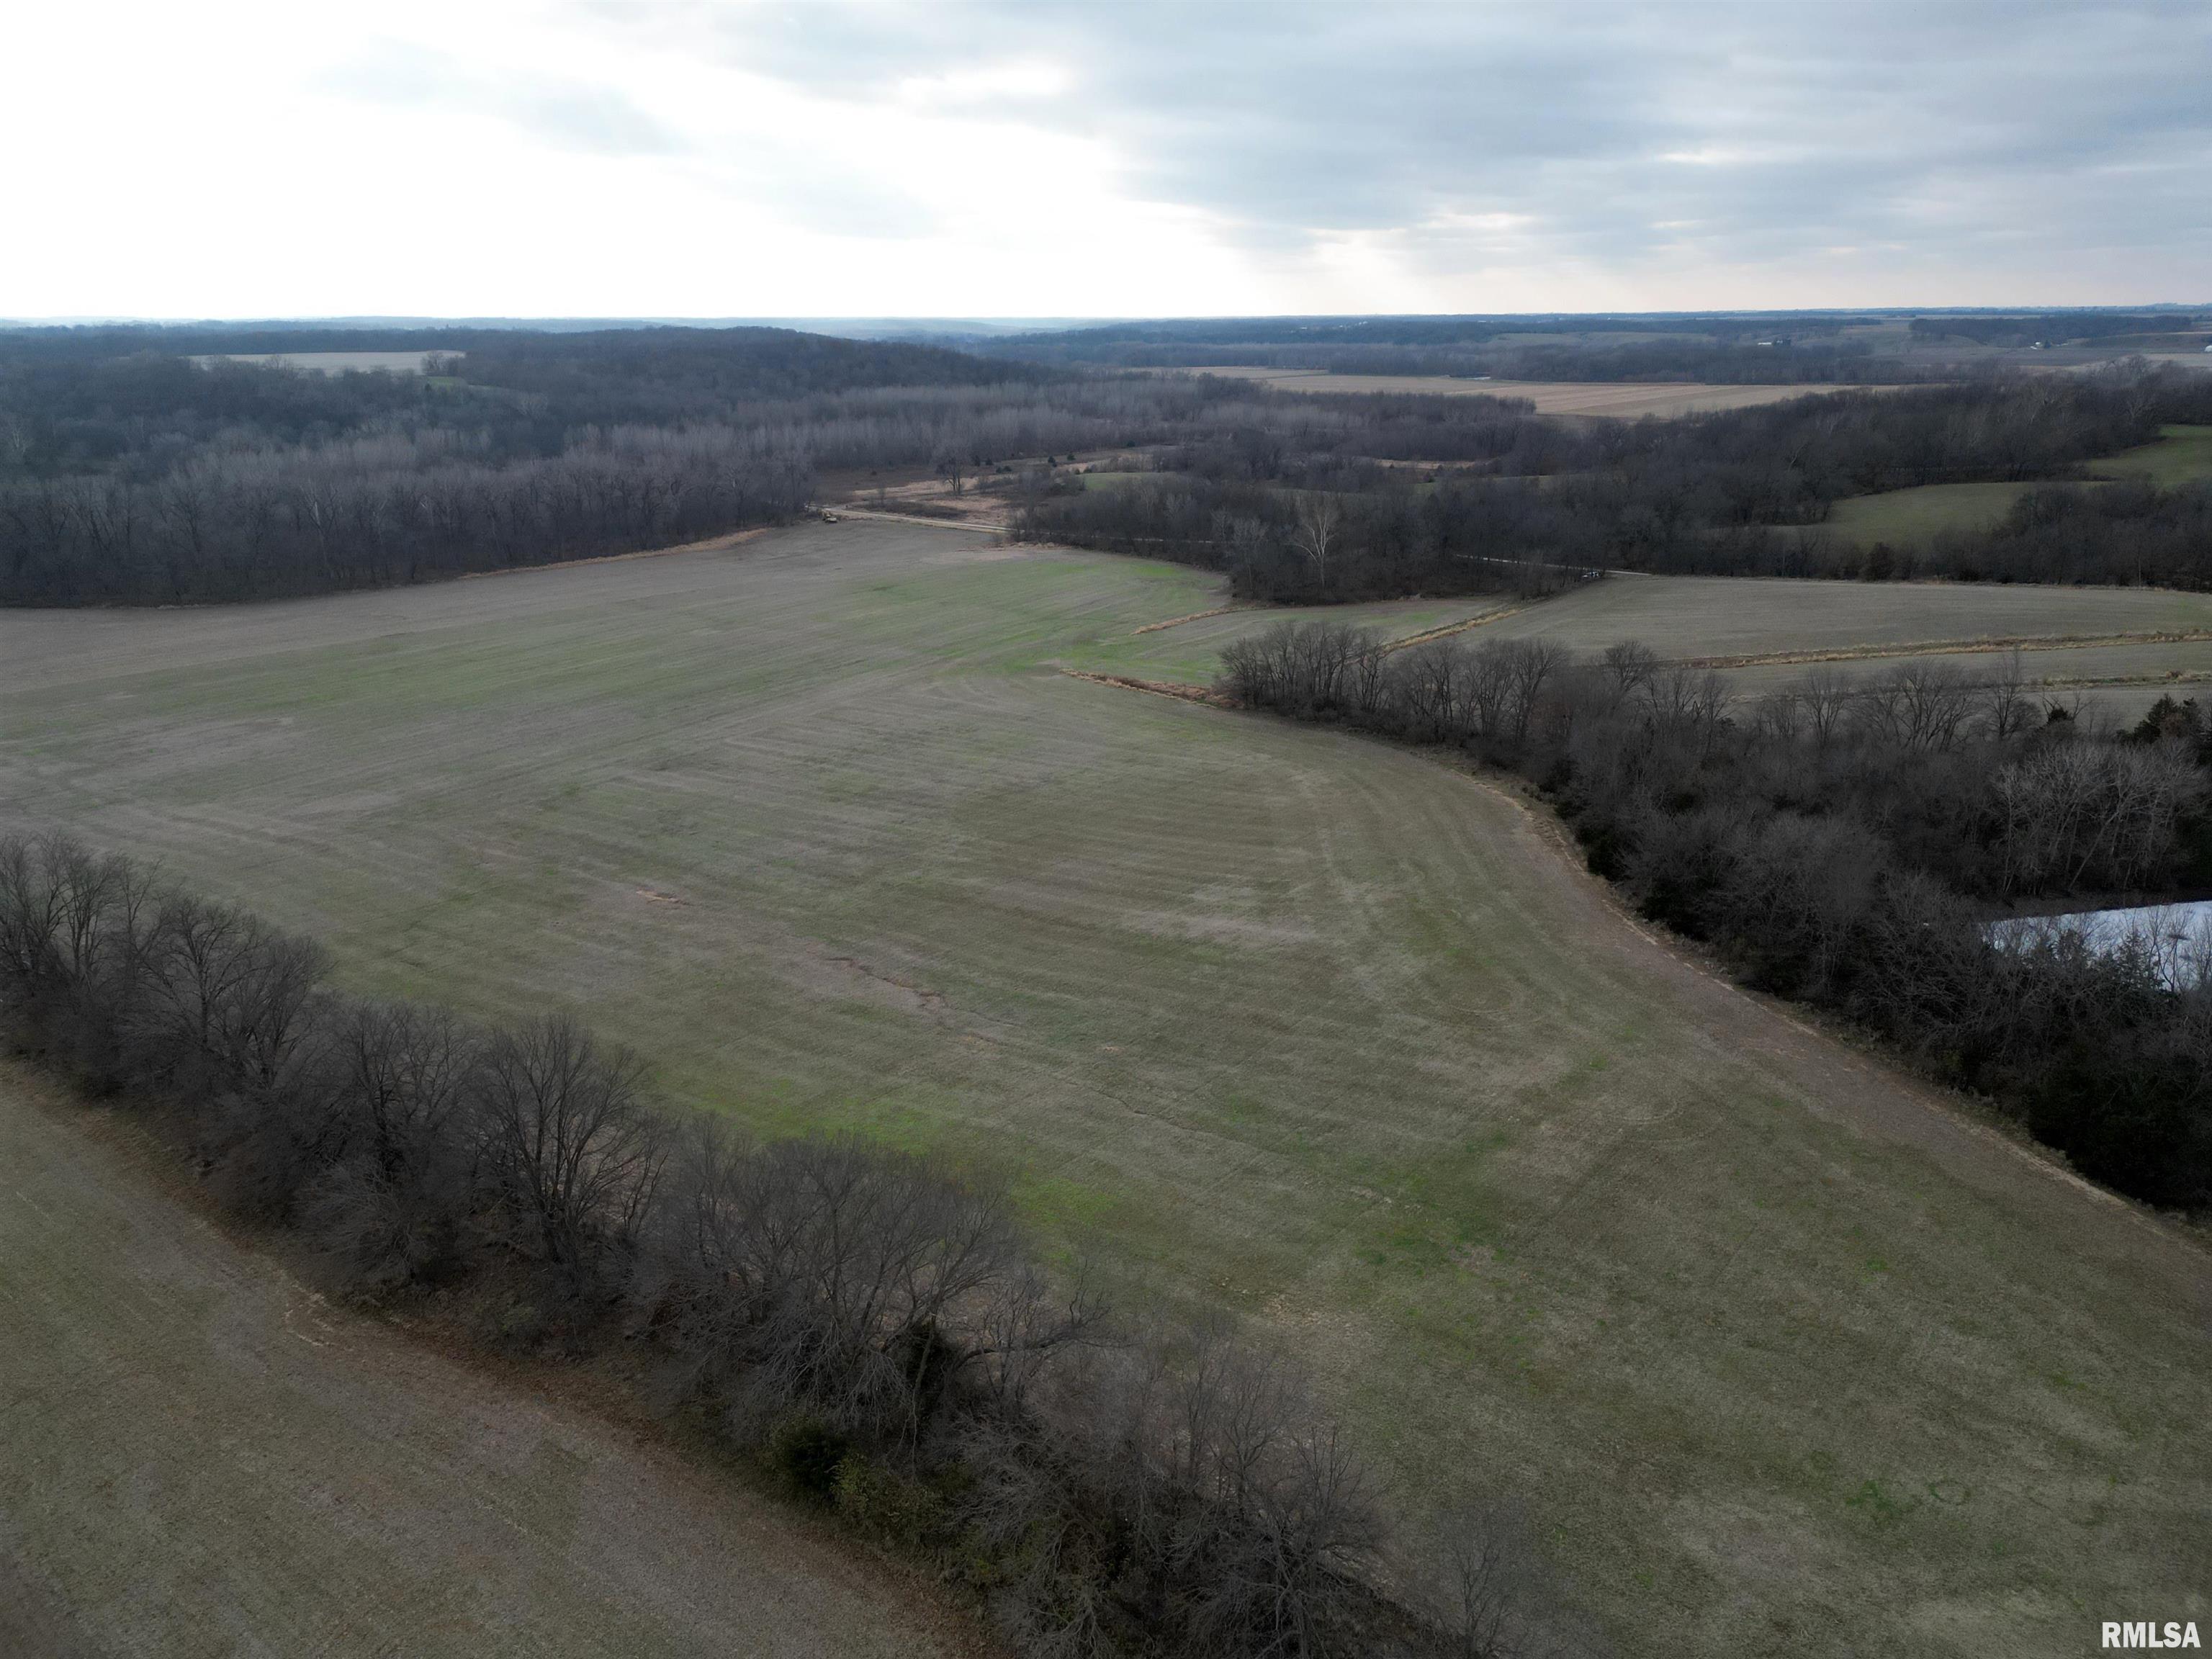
{"type": "Point", "coordinates": [209, 159]}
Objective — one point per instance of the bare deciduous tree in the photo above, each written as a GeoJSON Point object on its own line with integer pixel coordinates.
{"type": "Point", "coordinates": [1318, 517]}
{"type": "Point", "coordinates": [567, 1143]}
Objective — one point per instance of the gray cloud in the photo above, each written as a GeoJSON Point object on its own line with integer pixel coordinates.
{"type": "Point", "coordinates": [1928, 138]}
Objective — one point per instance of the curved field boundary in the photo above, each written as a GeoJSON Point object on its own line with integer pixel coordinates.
{"type": "Point", "coordinates": [2194, 1258]}
{"type": "Point", "coordinates": [1945, 648]}
{"type": "Point", "coordinates": [1871, 1091]}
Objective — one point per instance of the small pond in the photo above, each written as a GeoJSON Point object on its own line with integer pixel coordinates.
{"type": "Point", "coordinates": [2180, 934]}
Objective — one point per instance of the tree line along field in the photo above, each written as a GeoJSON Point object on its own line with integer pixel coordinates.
{"type": "Point", "coordinates": [205, 1457]}
{"type": "Point", "coordinates": [1777, 1349]}
{"type": "Point", "coordinates": [1786, 629]}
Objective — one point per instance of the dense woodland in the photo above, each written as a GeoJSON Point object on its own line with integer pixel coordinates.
{"type": "Point", "coordinates": [147, 477]}
{"type": "Point", "coordinates": [1844, 840]}
{"type": "Point", "coordinates": [875, 1332]}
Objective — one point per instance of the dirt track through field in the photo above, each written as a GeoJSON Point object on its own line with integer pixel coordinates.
{"type": "Point", "coordinates": [1950, 649]}
{"type": "Point", "coordinates": [1177, 622]}
{"type": "Point", "coordinates": [203, 1456]}
{"type": "Point", "coordinates": [1428, 634]}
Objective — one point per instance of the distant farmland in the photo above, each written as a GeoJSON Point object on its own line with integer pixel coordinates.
{"type": "Point", "coordinates": [332, 363]}
{"type": "Point", "coordinates": [1275, 1019]}
{"type": "Point", "coordinates": [1620, 400]}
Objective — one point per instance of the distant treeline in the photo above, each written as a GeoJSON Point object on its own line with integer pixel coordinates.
{"type": "Point", "coordinates": [1740, 493]}
{"type": "Point", "coordinates": [1772, 348]}
{"type": "Point", "coordinates": [1840, 841]}
{"type": "Point", "coordinates": [378, 510]}
{"type": "Point", "coordinates": [2050, 327]}
{"type": "Point", "coordinates": [1785, 360]}
{"type": "Point", "coordinates": [872, 1329]}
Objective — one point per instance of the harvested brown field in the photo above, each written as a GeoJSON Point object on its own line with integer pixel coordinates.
{"type": "Point", "coordinates": [205, 1457]}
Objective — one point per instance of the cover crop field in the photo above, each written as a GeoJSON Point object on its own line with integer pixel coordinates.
{"type": "Point", "coordinates": [1781, 1351]}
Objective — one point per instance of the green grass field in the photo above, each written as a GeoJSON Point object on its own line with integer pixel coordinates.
{"type": "Point", "coordinates": [2183, 455]}
{"type": "Point", "coordinates": [1698, 616]}
{"type": "Point", "coordinates": [1783, 1355]}
{"type": "Point", "coordinates": [1912, 518]}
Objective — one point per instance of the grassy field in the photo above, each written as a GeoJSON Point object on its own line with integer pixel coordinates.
{"type": "Point", "coordinates": [1617, 399]}
{"type": "Point", "coordinates": [2183, 455]}
{"type": "Point", "coordinates": [205, 1458]}
{"type": "Point", "coordinates": [1782, 1355]}
{"type": "Point", "coordinates": [1908, 518]}
{"type": "Point", "coordinates": [1911, 518]}
{"type": "Point", "coordinates": [1718, 616]}
{"type": "Point", "coordinates": [1868, 627]}
{"type": "Point", "coordinates": [1712, 616]}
